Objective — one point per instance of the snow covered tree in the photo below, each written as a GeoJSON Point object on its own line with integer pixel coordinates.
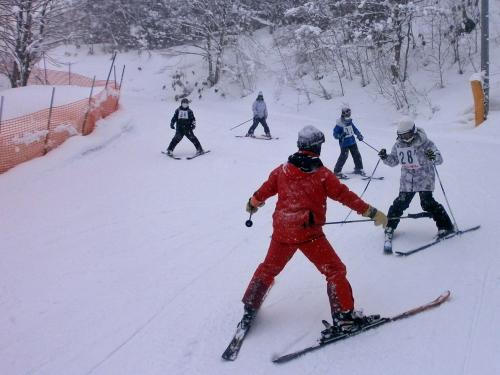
{"type": "Point", "coordinates": [27, 29]}
{"type": "Point", "coordinates": [211, 26]}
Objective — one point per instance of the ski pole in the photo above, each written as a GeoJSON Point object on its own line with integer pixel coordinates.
{"type": "Point", "coordinates": [373, 148]}
{"type": "Point", "coordinates": [234, 127]}
{"type": "Point", "coordinates": [445, 197]}
{"type": "Point", "coordinates": [409, 216]}
{"type": "Point", "coordinates": [366, 187]}
{"type": "Point", "coordinates": [249, 222]}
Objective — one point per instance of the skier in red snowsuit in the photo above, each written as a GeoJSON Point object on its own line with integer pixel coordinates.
{"type": "Point", "coordinates": [303, 185]}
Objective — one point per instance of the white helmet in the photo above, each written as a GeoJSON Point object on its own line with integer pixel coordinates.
{"type": "Point", "coordinates": [406, 125]}
{"type": "Point", "coordinates": [406, 130]}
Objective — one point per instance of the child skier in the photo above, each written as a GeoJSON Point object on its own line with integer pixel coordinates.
{"type": "Point", "coordinates": [417, 155]}
{"type": "Point", "coordinates": [303, 185]}
{"type": "Point", "coordinates": [345, 131]}
{"type": "Point", "coordinates": [259, 110]}
{"type": "Point", "coordinates": [186, 122]}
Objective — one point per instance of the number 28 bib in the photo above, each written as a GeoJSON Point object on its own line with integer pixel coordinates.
{"type": "Point", "coordinates": [408, 158]}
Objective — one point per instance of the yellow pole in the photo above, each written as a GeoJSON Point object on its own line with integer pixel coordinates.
{"type": "Point", "coordinates": [478, 93]}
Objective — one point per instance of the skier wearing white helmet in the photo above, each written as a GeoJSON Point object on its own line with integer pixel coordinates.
{"type": "Point", "coordinates": [417, 156]}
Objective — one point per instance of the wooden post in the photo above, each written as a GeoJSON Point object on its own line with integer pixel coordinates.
{"type": "Point", "coordinates": [110, 69]}
{"type": "Point", "coordinates": [114, 73]}
{"type": "Point", "coordinates": [478, 94]}
{"type": "Point", "coordinates": [88, 110]}
{"type": "Point", "coordinates": [69, 73]}
{"type": "Point", "coordinates": [120, 88]}
{"type": "Point", "coordinates": [121, 79]}
{"type": "Point", "coordinates": [48, 122]}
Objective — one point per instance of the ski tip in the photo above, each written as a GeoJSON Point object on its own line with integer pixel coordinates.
{"type": "Point", "coordinates": [445, 295]}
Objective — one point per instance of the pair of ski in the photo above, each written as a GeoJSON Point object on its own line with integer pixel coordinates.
{"type": "Point", "coordinates": [187, 158]}
{"type": "Point", "coordinates": [364, 176]}
{"type": "Point", "coordinates": [262, 137]}
{"type": "Point", "coordinates": [388, 244]}
{"type": "Point", "coordinates": [231, 353]}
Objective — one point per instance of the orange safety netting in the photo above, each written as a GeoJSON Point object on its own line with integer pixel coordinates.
{"type": "Point", "coordinates": [29, 136]}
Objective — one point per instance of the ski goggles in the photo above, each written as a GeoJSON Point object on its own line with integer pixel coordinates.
{"type": "Point", "coordinates": [407, 137]}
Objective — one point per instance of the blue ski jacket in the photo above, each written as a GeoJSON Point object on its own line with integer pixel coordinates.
{"type": "Point", "coordinates": [345, 131]}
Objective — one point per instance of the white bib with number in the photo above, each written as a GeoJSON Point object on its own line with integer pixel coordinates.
{"type": "Point", "coordinates": [183, 114]}
{"type": "Point", "coordinates": [348, 131]}
{"type": "Point", "coordinates": [407, 157]}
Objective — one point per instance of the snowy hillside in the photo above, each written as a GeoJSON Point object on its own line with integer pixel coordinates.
{"type": "Point", "coordinates": [118, 260]}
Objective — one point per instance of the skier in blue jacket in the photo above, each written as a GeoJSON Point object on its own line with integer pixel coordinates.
{"type": "Point", "coordinates": [345, 131]}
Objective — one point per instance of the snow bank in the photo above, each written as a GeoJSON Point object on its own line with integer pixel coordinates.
{"type": "Point", "coordinates": [25, 100]}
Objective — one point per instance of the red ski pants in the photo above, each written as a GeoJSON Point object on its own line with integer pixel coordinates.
{"type": "Point", "coordinates": [321, 254]}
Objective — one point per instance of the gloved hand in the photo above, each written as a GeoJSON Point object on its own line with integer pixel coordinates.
{"type": "Point", "coordinates": [172, 125]}
{"type": "Point", "coordinates": [383, 154]}
{"type": "Point", "coordinates": [193, 125]}
{"type": "Point", "coordinates": [253, 205]}
{"type": "Point", "coordinates": [360, 138]}
{"type": "Point", "coordinates": [378, 217]}
{"type": "Point", "coordinates": [431, 155]}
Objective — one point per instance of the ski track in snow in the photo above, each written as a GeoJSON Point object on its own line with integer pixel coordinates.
{"type": "Point", "coordinates": [156, 314]}
{"type": "Point", "coordinates": [473, 325]}
{"type": "Point", "coordinates": [118, 261]}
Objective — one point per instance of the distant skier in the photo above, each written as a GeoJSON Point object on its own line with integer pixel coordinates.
{"type": "Point", "coordinates": [303, 185]}
{"type": "Point", "coordinates": [345, 131]}
{"type": "Point", "coordinates": [186, 122]}
{"type": "Point", "coordinates": [259, 110]}
{"type": "Point", "coordinates": [417, 155]}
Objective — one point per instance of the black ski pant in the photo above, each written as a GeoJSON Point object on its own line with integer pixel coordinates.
{"type": "Point", "coordinates": [181, 132]}
{"type": "Point", "coordinates": [344, 153]}
{"type": "Point", "coordinates": [428, 203]}
{"type": "Point", "coordinates": [256, 121]}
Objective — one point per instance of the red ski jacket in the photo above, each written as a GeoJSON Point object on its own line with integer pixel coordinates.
{"type": "Point", "coordinates": [301, 207]}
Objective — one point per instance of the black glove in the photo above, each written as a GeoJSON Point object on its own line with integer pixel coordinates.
{"type": "Point", "coordinates": [172, 125]}
{"type": "Point", "coordinates": [383, 154]}
{"type": "Point", "coordinates": [193, 125]}
{"type": "Point", "coordinates": [431, 155]}
{"type": "Point", "coordinates": [360, 138]}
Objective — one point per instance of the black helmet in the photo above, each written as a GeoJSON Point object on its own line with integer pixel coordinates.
{"type": "Point", "coordinates": [185, 100]}
{"type": "Point", "coordinates": [310, 139]}
{"type": "Point", "coordinates": [346, 112]}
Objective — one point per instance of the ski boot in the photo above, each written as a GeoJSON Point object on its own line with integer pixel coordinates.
{"type": "Point", "coordinates": [200, 152]}
{"type": "Point", "coordinates": [170, 153]}
{"type": "Point", "coordinates": [268, 135]}
{"type": "Point", "coordinates": [389, 233]}
{"type": "Point", "coordinates": [346, 322]}
{"type": "Point", "coordinates": [250, 135]}
{"type": "Point", "coordinates": [341, 176]}
{"type": "Point", "coordinates": [360, 172]}
{"type": "Point", "coordinates": [248, 316]}
{"type": "Point", "coordinates": [442, 233]}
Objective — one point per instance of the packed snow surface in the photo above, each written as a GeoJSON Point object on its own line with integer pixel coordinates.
{"type": "Point", "coordinates": [118, 260]}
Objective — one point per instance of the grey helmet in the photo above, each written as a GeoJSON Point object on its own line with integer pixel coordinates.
{"type": "Point", "coordinates": [310, 139]}
{"type": "Point", "coordinates": [346, 112]}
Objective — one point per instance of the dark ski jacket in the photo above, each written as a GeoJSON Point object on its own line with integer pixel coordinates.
{"type": "Point", "coordinates": [184, 117]}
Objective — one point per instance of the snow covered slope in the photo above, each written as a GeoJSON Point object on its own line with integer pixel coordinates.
{"type": "Point", "coordinates": [118, 260]}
